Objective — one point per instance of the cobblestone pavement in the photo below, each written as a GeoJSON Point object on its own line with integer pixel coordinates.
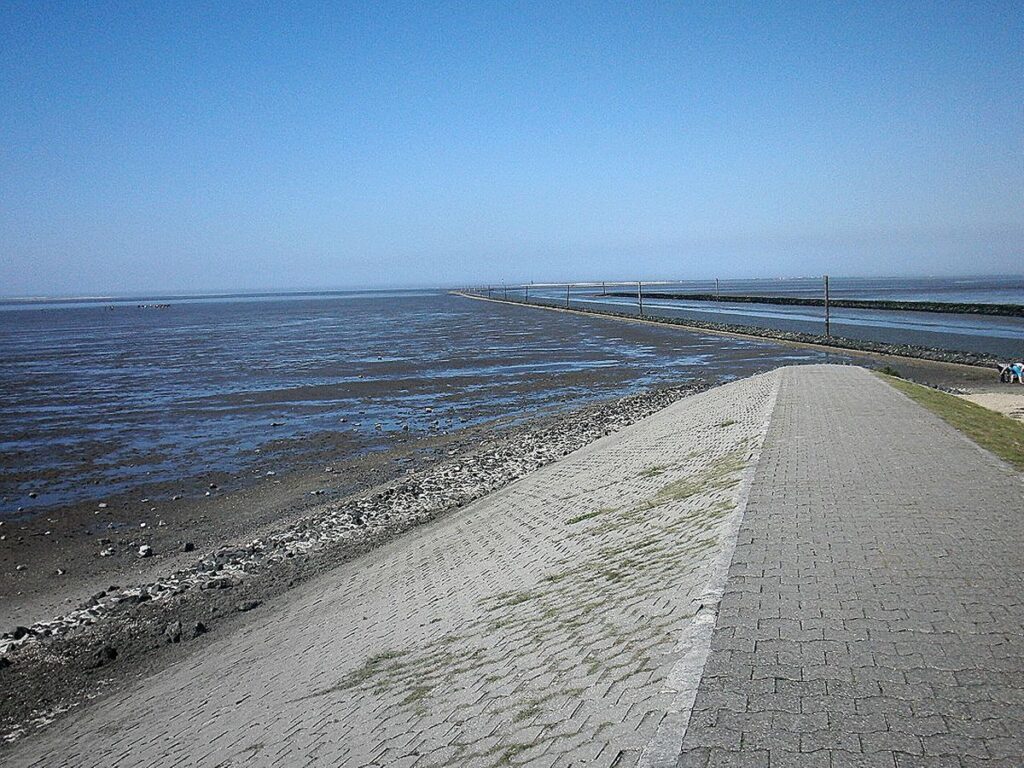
{"type": "Point", "coordinates": [540, 626]}
{"type": "Point", "coordinates": [874, 609]}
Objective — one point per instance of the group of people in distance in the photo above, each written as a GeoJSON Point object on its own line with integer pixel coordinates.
{"type": "Point", "coordinates": [1010, 372]}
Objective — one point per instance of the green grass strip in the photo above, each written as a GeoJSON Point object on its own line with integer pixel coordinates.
{"type": "Point", "coordinates": [999, 434]}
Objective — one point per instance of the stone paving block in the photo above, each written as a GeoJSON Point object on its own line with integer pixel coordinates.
{"type": "Point", "coordinates": [925, 761]}
{"type": "Point", "coordinates": [835, 740]}
{"type": "Point", "coordinates": [784, 758]}
{"type": "Point", "coordinates": [696, 757]}
{"type": "Point", "coordinates": [843, 759]}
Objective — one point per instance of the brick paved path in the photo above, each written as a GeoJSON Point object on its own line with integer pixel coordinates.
{"type": "Point", "coordinates": [874, 611]}
{"type": "Point", "coordinates": [540, 626]}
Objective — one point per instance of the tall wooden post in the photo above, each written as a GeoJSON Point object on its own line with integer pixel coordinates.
{"type": "Point", "coordinates": [566, 295]}
{"type": "Point", "coordinates": [828, 329]}
{"type": "Point", "coordinates": [640, 296]}
{"type": "Point", "coordinates": [718, 291]}
{"type": "Point", "coordinates": [604, 291]}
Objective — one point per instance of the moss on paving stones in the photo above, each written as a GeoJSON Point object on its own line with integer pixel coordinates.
{"type": "Point", "coordinates": [588, 515]}
{"type": "Point", "coordinates": [651, 544]}
{"type": "Point", "coordinates": [652, 471]}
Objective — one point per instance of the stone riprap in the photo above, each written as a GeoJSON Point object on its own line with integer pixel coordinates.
{"type": "Point", "coordinates": [537, 625]}
{"type": "Point", "coordinates": [959, 357]}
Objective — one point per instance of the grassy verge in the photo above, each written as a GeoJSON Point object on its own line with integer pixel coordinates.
{"type": "Point", "coordinates": [992, 431]}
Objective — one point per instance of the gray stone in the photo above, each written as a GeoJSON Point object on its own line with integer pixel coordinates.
{"type": "Point", "coordinates": [173, 632]}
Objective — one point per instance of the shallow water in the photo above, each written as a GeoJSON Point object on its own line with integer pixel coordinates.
{"type": "Point", "coordinates": [999, 336]}
{"type": "Point", "coordinates": [981, 290]}
{"type": "Point", "coordinates": [101, 396]}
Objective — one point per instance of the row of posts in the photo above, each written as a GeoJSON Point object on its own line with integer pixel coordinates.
{"type": "Point", "coordinates": [640, 298]}
{"type": "Point", "coordinates": [568, 286]}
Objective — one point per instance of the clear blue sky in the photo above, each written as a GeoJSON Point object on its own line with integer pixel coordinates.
{"type": "Point", "coordinates": [148, 146]}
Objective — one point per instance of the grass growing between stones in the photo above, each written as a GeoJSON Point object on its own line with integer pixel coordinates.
{"type": "Point", "coordinates": [997, 433]}
{"type": "Point", "coordinates": [652, 471]}
{"type": "Point", "coordinates": [418, 693]}
{"type": "Point", "coordinates": [605, 616]}
{"type": "Point", "coordinates": [719, 476]}
{"type": "Point", "coordinates": [508, 599]}
{"type": "Point", "coordinates": [374, 666]}
{"type": "Point", "coordinates": [588, 515]}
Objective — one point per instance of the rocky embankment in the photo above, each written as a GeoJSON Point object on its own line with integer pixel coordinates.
{"type": "Point", "coordinates": [947, 307]}
{"type": "Point", "coordinates": [838, 342]}
{"type": "Point", "coordinates": [51, 665]}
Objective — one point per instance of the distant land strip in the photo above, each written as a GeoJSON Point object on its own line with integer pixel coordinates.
{"type": "Point", "coordinates": [789, 337]}
{"type": "Point", "coordinates": [949, 307]}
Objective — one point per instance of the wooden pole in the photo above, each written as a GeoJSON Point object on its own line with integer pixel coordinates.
{"type": "Point", "coordinates": [604, 291]}
{"type": "Point", "coordinates": [828, 329]}
{"type": "Point", "coordinates": [718, 291]}
{"type": "Point", "coordinates": [566, 295]}
{"type": "Point", "coordinates": [640, 296]}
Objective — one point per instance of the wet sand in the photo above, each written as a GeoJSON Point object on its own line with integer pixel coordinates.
{"type": "Point", "coordinates": [61, 548]}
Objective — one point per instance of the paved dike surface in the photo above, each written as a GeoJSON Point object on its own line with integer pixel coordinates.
{"type": "Point", "coordinates": [802, 568]}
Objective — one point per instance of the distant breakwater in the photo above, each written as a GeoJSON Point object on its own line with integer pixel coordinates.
{"type": "Point", "coordinates": [957, 308]}
{"type": "Point", "coordinates": [772, 334]}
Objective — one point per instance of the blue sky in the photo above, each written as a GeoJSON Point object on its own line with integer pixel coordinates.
{"type": "Point", "coordinates": [194, 146]}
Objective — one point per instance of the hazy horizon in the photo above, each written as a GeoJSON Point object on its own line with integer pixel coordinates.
{"type": "Point", "coordinates": [497, 285]}
{"type": "Point", "coordinates": [174, 148]}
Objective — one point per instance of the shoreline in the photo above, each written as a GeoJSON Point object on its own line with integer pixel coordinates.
{"type": "Point", "coordinates": [55, 664]}
{"type": "Point", "coordinates": [61, 545]}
